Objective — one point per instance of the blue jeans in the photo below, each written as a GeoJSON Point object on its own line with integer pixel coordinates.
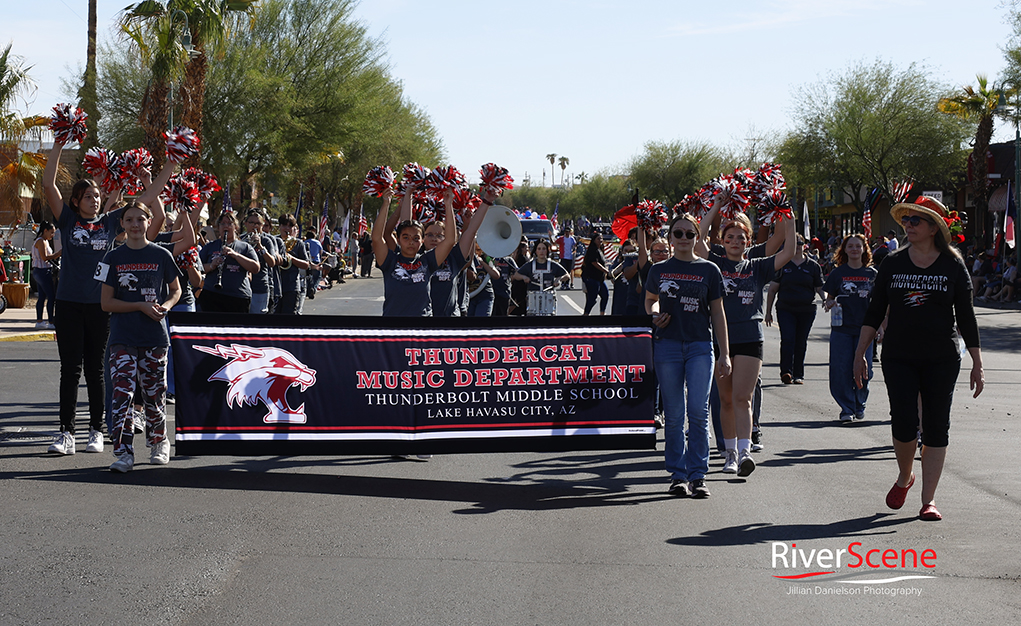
{"type": "Point", "coordinates": [47, 293]}
{"type": "Point", "coordinates": [684, 365]}
{"type": "Point", "coordinates": [850, 399]}
{"type": "Point", "coordinates": [481, 305]}
{"type": "Point", "coordinates": [795, 327]}
{"type": "Point", "coordinates": [594, 288]}
{"type": "Point", "coordinates": [259, 304]}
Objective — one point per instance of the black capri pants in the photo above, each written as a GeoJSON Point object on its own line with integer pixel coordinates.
{"type": "Point", "coordinates": [935, 381]}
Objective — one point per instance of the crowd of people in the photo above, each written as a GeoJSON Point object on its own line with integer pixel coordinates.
{"type": "Point", "coordinates": [708, 289]}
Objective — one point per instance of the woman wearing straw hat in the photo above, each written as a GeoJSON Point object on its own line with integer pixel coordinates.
{"type": "Point", "coordinates": [921, 289]}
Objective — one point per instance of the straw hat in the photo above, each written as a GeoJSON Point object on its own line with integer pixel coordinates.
{"type": "Point", "coordinates": [924, 204]}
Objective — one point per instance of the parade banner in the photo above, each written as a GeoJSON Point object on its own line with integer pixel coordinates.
{"type": "Point", "coordinates": [276, 385]}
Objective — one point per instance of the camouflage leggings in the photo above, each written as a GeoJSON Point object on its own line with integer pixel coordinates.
{"type": "Point", "coordinates": [148, 366]}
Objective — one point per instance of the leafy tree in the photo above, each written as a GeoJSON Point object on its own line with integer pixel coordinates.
{"type": "Point", "coordinates": [875, 124]}
{"type": "Point", "coordinates": [668, 171]}
{"type": "Point", "coordinates": [17, 166]}
{"type": "Point", "coordinates": [563, 162]}
{"type": "Point", "coordinates": [552, 158]}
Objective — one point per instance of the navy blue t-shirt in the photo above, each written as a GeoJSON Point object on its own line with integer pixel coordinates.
{"type": "Point", "coordinates": [742, 295]}
{"type": "Point", "coordinates": [233, 278]}
{"type": "Point", "coordinates": [142, 275]}
{"type": "Point", "coordinates": [507, 266]}
{"type": "Point", "coordinates": [445, 287]}
{"type": "Point", "coordinates": [797, 286]}
{"type": "Point", "coordinates": [852, 289]}
{"type": "Point", "coordinates": [406, 284]}
{"type": "Point", "coordinates": [84, 244]}
{"type": "Point", "coordinates": [685, 289]}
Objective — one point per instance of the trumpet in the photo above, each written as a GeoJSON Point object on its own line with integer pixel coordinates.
{"type": "Point", "coordinates": [288, 246]}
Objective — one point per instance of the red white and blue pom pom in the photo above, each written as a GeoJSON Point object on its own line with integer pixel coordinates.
{"type": "Point", "coordinates": [378, 180]}
{"type": "Point", "coordinates": [205, 183]}
{"type": "Point", "coordinates": [651, 215]}
{"type": "Point", "coordinates": [465, 200]}
{"type": "Point", "coordinates": [738, 195]}
{"type": "Point", "coordinates": [188, 259]}
{"type": "Point", "coordinates": [104, 166]}
{"type": "Point", "coordinates": [182, 143]}
{"type": "Point", "coordinates": [414, 174]}
{"type": "Point", "coordinates": [443, 178]}
{"type": "Point", "coordinates": [133, 163]}
{"type": "Point", "coordinates": [773, 205]}
{"type": "Point", "coordinates": [68, 124]}
{"type": "Point", "coordinates": [182, 194]}
{"type": "Point", "coordinates": [496, 179]}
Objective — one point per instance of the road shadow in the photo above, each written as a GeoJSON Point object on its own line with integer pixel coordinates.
{"type": "Point", "coordinates": [755, 534]}
{"type": "Point", "coordinates": [546, 484]}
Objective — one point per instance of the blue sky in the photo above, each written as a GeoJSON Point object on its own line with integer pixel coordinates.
{"type": "Point", "coordinates": [594, 80]}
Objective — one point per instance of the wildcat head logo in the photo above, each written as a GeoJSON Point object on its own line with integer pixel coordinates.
{"type": "Point", "coordinates": [729, 284]}
{"type": "Point", "coordinates": [127, 280]}
{"type": "Point", "coordinates": [262, 375]}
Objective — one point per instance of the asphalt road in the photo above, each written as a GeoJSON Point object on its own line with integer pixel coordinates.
{"type": "Point", "coordinates": [570, 538]}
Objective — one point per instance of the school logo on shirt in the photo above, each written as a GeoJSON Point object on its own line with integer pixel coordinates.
{"type": "Point", "coordinates": [915, 298]}
{"type": "Point", "coordinates": [410, 272]}
{"type": "Point", "coordinates": [127, 280]}
{"type": "Point", "coordinates": [263, 375]}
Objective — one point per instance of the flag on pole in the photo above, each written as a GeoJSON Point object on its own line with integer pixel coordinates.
{"type": "Point", "coordinates": [344, 230]}
{"type": "Point", "coordinates": [807, 229]}
{"type": "Point", "coordinates": [1008, 218]}
{"type": "Point", "coordinates": [363, 224]}
{"type": "Point", "coordinates": [324, 221]}
{"type": "Point", "coordinates": [866, 220]}
{"type": "Point", "coordinates": [227, 208]}
{"type": "Point", "coordinates": [556, 210]}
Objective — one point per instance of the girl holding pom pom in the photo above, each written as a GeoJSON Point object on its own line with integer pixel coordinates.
{"type": "Point", "coordinates": [743, 281]}
{"type": "Point", "coordinates": [82, 325]}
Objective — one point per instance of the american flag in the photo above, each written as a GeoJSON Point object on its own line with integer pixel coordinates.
{"type": "Point", "coordinates": [870, 203]}
{"type": "Point", "coordinates": [363, 224]}
{"type": "Point", "coordinates": [227, 208]}
{"type": "Point", "coordinates": [324, 221]}
{"type": "Point", "coordinates": [556, 209]}
{"type": "Point", "coordinates": [901, 190]}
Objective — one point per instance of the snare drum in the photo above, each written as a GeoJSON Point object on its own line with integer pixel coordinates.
{"type": "Point", "coordinates": [542, 303]}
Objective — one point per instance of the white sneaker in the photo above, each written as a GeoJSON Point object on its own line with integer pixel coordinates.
{"type": "Point", "coordinates": [424, 457]}
{"type": "Point", "coordinates": [124, 463]}
{"type": "Point", "coordinates": [95, 441]}
{"type": "Point", "coordinates": [730, 465]}
{"type": "Point", "coordinates": [41, 326]}
{"type": "Point", "coordinates": [160, 453]}
{"type": "Point", "coordinates": [63, 443]}
{"type": "Point", "coordinates": [746, 465]}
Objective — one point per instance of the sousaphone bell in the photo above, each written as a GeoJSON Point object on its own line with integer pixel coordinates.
{"type": "Point", "coordinates": [500, 232]}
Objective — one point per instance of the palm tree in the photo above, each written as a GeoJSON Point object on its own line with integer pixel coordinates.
{"type": "Point", "coordinates": [209, 24]}
{"type": "Point", "coordinates": [18, 167]}
{"type": "Point", "coordinates": [978, 105]}
{"type": "Point", "coordinates": [563, 162]}
{"type": "Point", "coordinates": [581, 178]}
{"type": "Point", "coordinates": [552, 158]}
{"type": "Point", "coordinates": [87, 92]}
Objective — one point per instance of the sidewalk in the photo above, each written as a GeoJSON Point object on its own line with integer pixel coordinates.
{"type": "Point", "coordinates": [19, 325]}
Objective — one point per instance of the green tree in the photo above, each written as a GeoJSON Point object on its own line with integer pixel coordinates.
{"type": "Point", "coordinates": [563, 162]}
{"type": "Point", "coordinates": [871, 125]}
{"type": "Point", "coordinates": [552, 158]}
{"type": "Point", "coordinates": [18, 167]}
{"type": "Point", "coordinates": [976, 106]}
{"type": "Point", "coordinates": [668, 171]}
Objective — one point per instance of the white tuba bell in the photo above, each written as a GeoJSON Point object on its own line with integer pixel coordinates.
{"type": "Point", "coordinates": [500, 232]}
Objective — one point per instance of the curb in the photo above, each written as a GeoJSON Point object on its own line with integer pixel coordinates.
{"type": "Point", "coordinates": [40, 336]}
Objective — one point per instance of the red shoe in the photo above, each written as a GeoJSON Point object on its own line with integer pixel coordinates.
{"type": "Point", "coordinates": [895, 498]}
{"type": "Point", "coordinates": [929, 513]}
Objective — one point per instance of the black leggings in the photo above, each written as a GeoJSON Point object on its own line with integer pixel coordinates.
{"type": "Point", "coordinates": [82, 331]}
{"type": "Point", "coordinates": [934, 380]}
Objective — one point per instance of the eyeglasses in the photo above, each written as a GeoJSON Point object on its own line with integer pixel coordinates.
{"type": "Point", "coordinates": [684, 234]}
{"type": "Point", "coordinates": [660, 251]}
{"type": "Point", "coordinates": [914, 220]}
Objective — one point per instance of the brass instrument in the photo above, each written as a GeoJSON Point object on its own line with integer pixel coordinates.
{"type": "Point", "coordinates": [289, 244]}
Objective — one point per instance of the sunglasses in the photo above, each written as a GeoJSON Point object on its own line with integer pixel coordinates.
{"type": "Point", "coordinates": [914, 220]}
{"type": "Point", "coordinates": [684, 234]}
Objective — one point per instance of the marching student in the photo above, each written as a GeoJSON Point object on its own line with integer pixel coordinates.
{"type": "Point", "coordinates": [140, 284]}
{"type": "Point", "coordinates": [743, 282]}
{"type": "Point", "coordinates": [227, 263]}
{"type": "Point", "coordinates": [294, 258]}
{"type": "Point", "coordinates": [541, 272]}
{"type": "Point", "coordinates": [82, 325]}
{"type": "Point", "coordinates": [684, 295]}
{"type": "Point", "coordinates": [265, 247]}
